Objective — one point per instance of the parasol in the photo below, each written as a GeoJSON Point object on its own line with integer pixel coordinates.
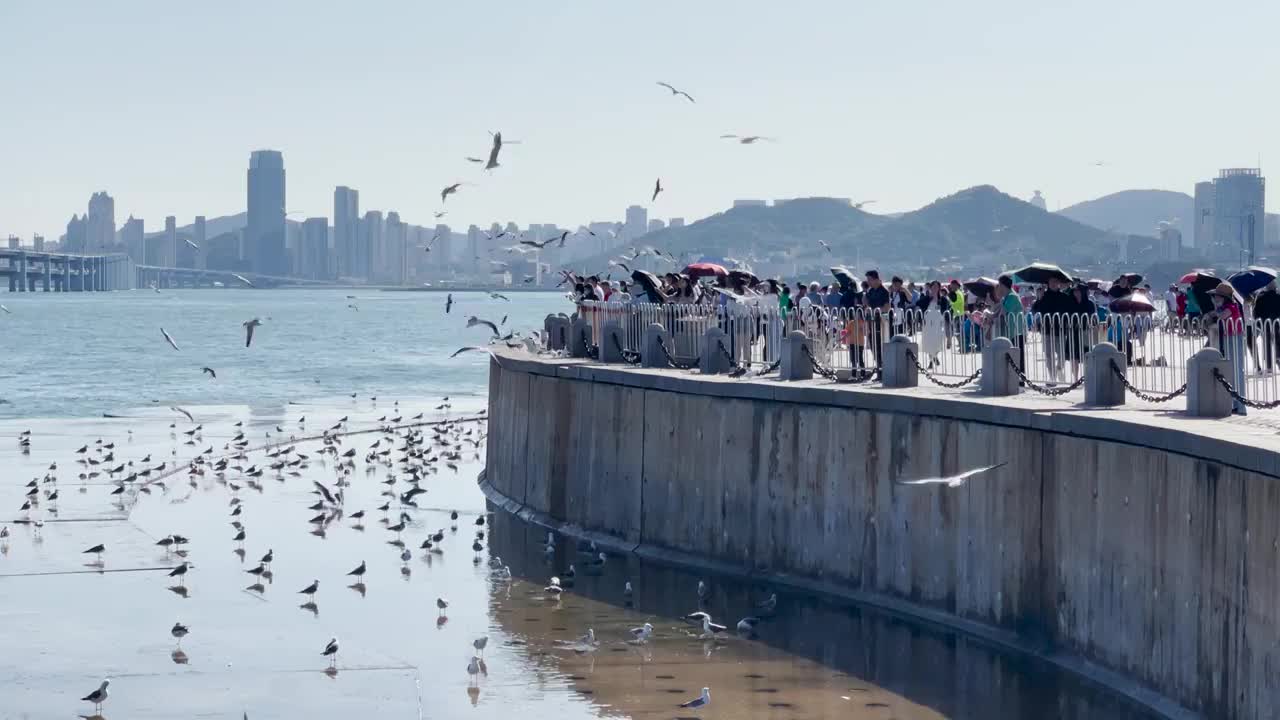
{"type": "Point", "coordinates": [704, 269]}
{"type": "Point", "coordinates": [1039, 273]}
{"type": "Point", "coordinates": [981, 286]}
{"type": "Point", "coordinates": [844, 276]}
{"type": "Point", "coordinates": [1252, 279]}
{"type": "Point", "coordinates": [1137, 302]}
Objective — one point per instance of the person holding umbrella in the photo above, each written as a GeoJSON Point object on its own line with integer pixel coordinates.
{"type": "Point", "coordinates": [1053, 313]}
{"type": "Point", "coordinates": [1266, 311]}
{"type": "Point", "coordinates": [1229, 316]}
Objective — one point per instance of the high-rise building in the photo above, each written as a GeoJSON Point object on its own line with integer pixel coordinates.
{"type": "Point", "coordinates": [15, 242]}
{"type": "Point", "coordinates": [368, 236]}
{"type": "Point", "coordinates": [441, 247]}
{"type": "Point", "coordinates": [395, 239]}
{"type": "Point", "coordinates": [313, 249]}
{"type": "Point", "coordinates": [675, 222]}
{"type": "Point", "coordinates": [1202, 234]}
{"type": "Point", "coordinates": [169, 243]}
{"type": "Point", "coordinates": [133, 237]}
{"type": "Point", "coordinates": [1169, 242]}
{"type": "Point", "coordinates": [77, 238]}
{"type": "Point", "coordinates": [472, 259]}
{"type": "Point", "coordinates": [100, 223]}
{"type": "Point", "coordinates": [346, 221]}
{"type": "Point", "coordinates": [265, 228]}
{"type": "Point", "coordinates": [37, 242]}
{"type": "Point", "coordinates": [656, 225]}
{"type": "Point", "coordinates": [199, 236]}
{"type": "Point", "coordinates": [1038, 201]}
{"type": "Point", "coordinates": [1239, 199]}
{"type": "Point", "coordinates": [636, 223]}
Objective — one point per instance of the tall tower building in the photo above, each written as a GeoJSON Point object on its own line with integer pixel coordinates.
{"type": "Point", "coordinates": [1038, 201]}
{"type": "Point", "coordinates": [637, 222]}
{"type": "Point", "coordinates": [472, 259]}
{"type": "Point", "coordinates": [199, 236]}
{"type": "Point", "coordinates": [133, 237]}
{"type": "Point", "coordinates": [442, 247]}
{"type": "Point", "coordinates": [1202, 232]}
{"type": "Point", "coordinates": [77, 237]}
{"type": "Point", "coordinates": [313, 250]}
{"type": "Point", "coordinates": [1239, 199]}
{"type": "Point", "coordinates": [265, 229]}
{"type": "Point", "coordinates": [346, 221]}
{"type": "Point", "coordinates": [368, 237]}
{"type": "Point", "coordinates": [169, 243]}
{"type": "Point", "coordinates": [395, 238]}
{"type": "Point", "coordinates": [100, 228]}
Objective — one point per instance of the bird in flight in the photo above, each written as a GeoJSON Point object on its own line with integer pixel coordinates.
{"type": "Point", "coordinates": [192, 245]}
{"type": "Point", "coordinates": [474, 159]}
{"type": "Point", "coordinates": [674, 91]}
{"type": "Point", "coordinates": [449, 190]}
{"type": "Point", "coordinates": [6, 310]}
{"type": "Point", "coordinates": [824, 246]}
{"type": "Point", "coordinates": [858, 205]}
{"type": "Point", "coordinates": [242, 279]}
{"type": "Point", "coordinates": [473, 321]}
{"type": "Point", "coordinates": [210, 371]}
{"type": "Point", "coordinates": [184, 412]}
{"type": "Point", "coordinates": [747, 139]}
{"type": "Point", "coordinates": [953, 481]}
{"type": "Point", "coordinates": [470, 348]}
{"type": "Point", "coordinates": [620, 264]}
{"type": "Point", "coordinates": [448, 303]}
{"type": "Point", "coordinates": [499, 296]}
{"type": "Point", "coordinates": [249, 325]}
{"type": "Point", "coordinates": [431, 242]}
{"type": "Point", "coordinates": [440, 214]}
{"type": "Point", "coordinates": [493, 152]}
{"type": "Point", "coordinates": [657, 188]}
{"type": "Point", "coordinates": [169, 339]}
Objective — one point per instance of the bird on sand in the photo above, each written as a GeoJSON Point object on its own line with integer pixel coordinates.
{"type": "Point", "coordinates": [331, 651]}
{"type": "Point", "coordinates": [643, 633]}
{"type": "Point", "coordinates": [358, 573]}
{"type": "Point", "coordinates": [97, 697]}
{"type": "Point", "coordinates": [449, 190]}
{"type": "Point", "coordinates": [952, 481]}
{"type": "Point", "coordinates": [746, 139]}
{"type": "Point", "coordinates": [657, 188]}
{"type": "Point", "coordinates": [96, 550]}
{"type": "Point", "coordinates": [674, 91]}
{"type": "Point", "coordinates": [249, 325]}
{"type": "Point", "coordinates": [179, 631]}
{"type": "Point", "coordinates": [209, 371]}
{"type": "Point", "coordinates": [473, 321]}
{"type": "Point", "coordinates": [702, 700]}
{"type": "Point", "coordinates": [169, 339]}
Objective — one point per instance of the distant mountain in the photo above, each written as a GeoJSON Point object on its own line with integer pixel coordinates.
{"type": "Point", "coordinates": [1135, 211]}
{"type": "Point", "coordinates": [213, 227]}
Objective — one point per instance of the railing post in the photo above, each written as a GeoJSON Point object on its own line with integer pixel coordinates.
{"type": "Point", "coordinates": [651, 352]}
{"type": "Point", "coordinates": [900, 370]}
{"type": "Point", "coordinates": [1205, 397]}
{"type": "Point", "coordinates": [611, 342]}
{"type": "Point", "coordinates": [714, 348]}
{"type": "Point", "coordinates": [795, 361]}
{"type": "Point", "coordinates": [998, 379]}
{"type": "Point", "coordinates": [1101, 386]}
{"type": "Point", "coordinates": [557, 327]}
{"type": "Point", "coordinates": [579, 337]}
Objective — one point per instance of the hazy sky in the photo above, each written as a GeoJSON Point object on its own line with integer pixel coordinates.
{"type": "Point", "coordinates": [160, 103]}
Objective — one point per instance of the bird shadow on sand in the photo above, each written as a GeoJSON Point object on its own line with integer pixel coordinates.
{"type": "Point", "coordinates": [311, 608]}
{"type": "Point", "coordinates": [179, 657]}
{"type": "Point", "coordinates": [359, 587]}
{"type": "Point", "coordinates": [180, 591]}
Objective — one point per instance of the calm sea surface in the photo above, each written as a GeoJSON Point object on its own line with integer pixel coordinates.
{"type": "Point", "coordinates": [254, 644]}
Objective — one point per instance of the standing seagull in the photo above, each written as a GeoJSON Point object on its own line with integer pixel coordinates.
{"type": "Point", "coordinates": [249, 325]}
{"type": "Point", "coordinates": [358, 573]}
{"type": "Point", "coordinates": [97, 697]}
{"type": "Point", "coordinates": [953, 481]}
{"type": "Point", "coordinates": [331, 651]}
{"type": "Point", "coordinates": [442, 605]}
{"type": "Point", "coordinates": [96, 550]}
{"type": "Point", "coordinates": [657, 188]}
{"type": "Point", "coordinates": [480, 643]}
{"type": "Point", "coordinates": [169, 339]}
{"type": "Point", "coordinates": [179, 631]}
{"type": "Point", "coordinates": [678, 92]}
{"type": "Point", "coordinates": [310, 590]}
{"type": "Point", "coordinates": [702, 700]}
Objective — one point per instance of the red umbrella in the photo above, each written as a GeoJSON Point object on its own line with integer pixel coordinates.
{"type": "Point", "coordinates": [705, 269]}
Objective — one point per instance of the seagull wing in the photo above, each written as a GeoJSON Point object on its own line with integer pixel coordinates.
{"type": "Point", "coordinates": [212, 374]}
{"type": "Point", "coordinates": [687, 95]}
{"type": "Point", "coordinates": [954, 480]}
{"type": "Point", "coordinates": [475, 159]}
{"type": "Point", "coordinates": [490, 325]}
{"type": "Point", "coordinates": [248, 333]}
{"type": "Point", "coordinates": [184, 412]}
{"type": "Point", "coordinates": [665, 85]}
{"type": "Point", "coordinates": [242, 279]}
{"type": "Point", "coordinates": [169, 339]}
{"type": "Point", "coordinates": [470, 348]}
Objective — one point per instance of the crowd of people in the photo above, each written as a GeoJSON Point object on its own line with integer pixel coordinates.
{"type": "Point", "coordinates": [1070, 316]}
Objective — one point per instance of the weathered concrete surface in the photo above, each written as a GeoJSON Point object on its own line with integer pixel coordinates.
{"type": "Point", "coordinates": [1154, 557]}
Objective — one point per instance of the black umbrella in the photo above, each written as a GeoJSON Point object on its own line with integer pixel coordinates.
{"type": "Point", "coordinates": [1134, 279]}
{"type": "Point", "coordinates": [844, 276]}
{"type": "Point", "coordinates": [1040, 273]}
{"type": "Point", "coordinates": [1201, 282]}
{"type": "Point", "coordinates": [649, 282]}
{"type": "Point", "coordinates": [1134, 303]}
{"type": "Point", "coordinates": [745, 276]}
{"type": "Point", "coordinates": [981, 286]}
{"type": "Point", "coordinates": [1252, 279]}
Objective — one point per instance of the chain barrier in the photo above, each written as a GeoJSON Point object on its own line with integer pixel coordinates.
{"type": "Point", "coordinates": [1255, 404]}
{"type": "Point", "coordinates": [1042, 389]}
{"type": "Point", "coordinates": [1142, 395]}
{"type": "Point", "coordinates": [770, 367]}
{"type": "Point", "coordinates": [738, 369]}
{"type": "Point", "coordinates": [630, 357]}
{"type": "Point", "coordinates": [942, 383]}
{"type": "Point", "coordinates": [817, 367]}
{"type": "Point", "coordinates": [677, 364]}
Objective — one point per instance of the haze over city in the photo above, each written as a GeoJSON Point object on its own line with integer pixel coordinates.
{"type": "Point", "coordinates": [160, 105]}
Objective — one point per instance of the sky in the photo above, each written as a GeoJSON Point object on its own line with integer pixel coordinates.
{"type": "Point", "coordinates": [160, 103]}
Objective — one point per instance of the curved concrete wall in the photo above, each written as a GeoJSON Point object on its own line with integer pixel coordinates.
{"type": "Point", "coordinates": [1130, 562]}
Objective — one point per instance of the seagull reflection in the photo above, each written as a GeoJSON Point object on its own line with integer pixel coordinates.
{"type": "Point", "coordinates": [179, 657]}
{"type": "Point", "coordinates": [331, 671]}
{"type": "Point", "coordinates": [257, 587]}
{"type": "Point", "coordinates": [440, 621]}
{"type": "Point", "coordinates": [311, 608]}
{"type": "Point", "coordinates": [239, 553]}
{"type": "Point", "coordinates": [180, 590]}
{"type": "Point", "coordinates": [358, 587]}
{"type": "Point", "coordinates": [473, 692]}
{"type": "Point", "coordinates": [405, 572]}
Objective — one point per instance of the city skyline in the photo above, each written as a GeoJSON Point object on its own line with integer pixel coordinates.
{"type": "Point", "coordinates": [866, 102]}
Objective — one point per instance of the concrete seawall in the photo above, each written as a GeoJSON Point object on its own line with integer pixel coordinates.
{"type": "Point", "coordinates": [1140, 551]}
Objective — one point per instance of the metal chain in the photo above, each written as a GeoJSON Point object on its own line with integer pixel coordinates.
{"type": "Point", "coordinates": [770, 367]}
{"type": "Point", "coordinates": [628, 356]}
{"type": "Point", "coordinates": [1042, 389]}
{"type": "Point", "coordinates": [1255, 404]}
{"type": "Point", "coordinates": [677, 364]}
{"type": "Point", "coordinates": [739, 369]}
{"type": "Point", "coordinates": [1142, 395]}
{"type": "Point", "coordinates": [817, 367]}
{"type": "Point", "coordinates": [942, 383]}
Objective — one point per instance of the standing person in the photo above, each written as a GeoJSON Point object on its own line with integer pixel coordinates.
{"type": "Point", "coordinates": [932, 304]}
{"type": "Point", "coordinates": [1011, 318]}
{"type": "Point", "coordinates": [1266, 312]}
{"type": "Point", "coordinates": [1083, 316]}
{"type": "Point", "coordinates": [1171, 303]}
{"type": "Point", "coordinates": [1193, 306]}
{"type": "Point", "coordinates": [855, 326]}
{"type": "Point", "coordinates": [1229, 317]}
{"type": "Point", "coordinates": [876, 300]}
{"type": "Point", "coordinates": [1054, 312]}
{"type": "Point", "coordinates": [900, 302]}
{"type": "Point", "coordinates": [954, 320]}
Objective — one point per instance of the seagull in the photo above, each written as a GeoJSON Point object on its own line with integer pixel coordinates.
{"type": "Point", "coordinates": [210, 372]}
{"type": "Point", "coordinates": [747, 625]}
{"type": "Point", "coordinates": [242, 279]}
{"type": "Point", "coordinates": [177, 410]}
{"type": "Point", "coordinates": [747, 139]}
{"type": "Point", "coordinates": [678, 92]}
{"type": "Point", "coordinates": [473, 667]}
{"type": "Point", "coordinates": [643, 633]}
{"type": "Point", "coordinates": [169, 339]}
{"type": "Point", "coordinates": [192, 245]}
{"type": "Point", "coordinates": [554, 588]}
{"type": "Point", "coordinates": [709, 629]}
{"type": "Point", "coordinates": [704, 620]}
{"type": "Point", "coordinates": [858, 205]}
{"type": "Point", "coordinates": [499, 296]}
{"type": "Point", "coordinates": [474, 159]}
{"type": "Point", "coordinates": [6, 310]}
{"type": "Point", "coordinates": [702, 700]}
{"type": "Point", "coordinates": [331, 651]}
{"type": "Point", "coordinates": [97, 697]}
{"type": "Point", "coordinates": [449, 190]}
{"type": "Point", "coordinates": [473, 321]}
{"type": "Point", "coordinates": [769, 605]}
{"type": "Point", "coordinates": [824, 246]}
{"type": "Point", "coordinates": [249, 325]}
{"type": "Point", "coordinates": [96, 550]}
{"type": "Point", "coordinates": [442, 605]}
{"type": "Point", "coordinates": [358, 573]}
{"type": "Point", "coordinates": [480, 643]}
{"type": "Point", "coordinates": [657, 188]}
{"type": "Point", "coordinates": [448, 303]}
{"type": "Point", "coordinates": [180, 572]}
{"type": "Point", "coordinates": [266, 559]}
{"type": "Point", "coordinates": [310, 590]}
{"type": "Point", "coordinates": [493, 152]}
{"type": "Point", "coordinates": [953, 481]}
{"type": "Point", "coordinates": [179, 631]}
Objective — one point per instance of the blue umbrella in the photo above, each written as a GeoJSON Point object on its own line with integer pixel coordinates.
{"type": "Point", "coordinates": [1252, 279]}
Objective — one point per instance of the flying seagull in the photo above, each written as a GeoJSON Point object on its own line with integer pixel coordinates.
{"type": "Point", "coordinates": [470, 348]}
{"type": "Point", "coordinates": [824, 246]}
{"type": "Point", "coordinates": [858, 205]}
{"type": "Point", "coordinates": [180, 410]}
{"type": "Point", "coordinates": [449, 190]}
{"type": "Point", "coordinates": [448, 303]}
{"type": "Point", "coordinates": [702, 700]}
{"type": "Point", "coordinates": [7, 310]}
{"type": "Point", "coordinates": [747, 139]}
{"type": "Point", "coordinates": [678, 92]}
{"type": "Point", "coordinates": [954, 480]}
{"type": "Point", "coordinates": [242, 279]}
{"type": "Point", "coordinates": [192, 245]}
{"type": "Point", "coordinates": [657, 188]}
{"type": "Point", "coordinates": [493, 152]}
{"type": "Point", "coordinates": [499, 296]}
{"type": "Point", "coordinates": [249, 325]}
{"type": "Point", "coordinates": [474, 159]}
{"type": "Point", "coordinates": [440, 214]}
{"type": "Point", "coordinates": [210, 371]}
{"type": "Point", "coordinates": [169, 339]}
{"type": "Point", "coordinates": [474, 321]}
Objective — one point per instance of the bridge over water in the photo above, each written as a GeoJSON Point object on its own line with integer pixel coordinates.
{"type": "Point", "coordinates": [29, 270]}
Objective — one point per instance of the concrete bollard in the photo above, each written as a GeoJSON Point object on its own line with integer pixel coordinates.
{"type": "Point", "coordinates": [795, 361]}
{"type": "Point", "coordinates": [557, 327]}
{"type": "Point", "coordinates": [998, 379]}
{"type": "Point", "coordinates": [1101, 386]}
{"type": "Point", "coordinates": [900, 370]}
{"type": "Point", "coordinates": [715, 346]}
{"type": "Point", "coordinates": [1205, 397]}
{"type": "Point", "coordinates": [579, 338]}
{"type": "Point", "coordinates": [651, 352]}
{"type": "Point", "coordinates": [611, 342]}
